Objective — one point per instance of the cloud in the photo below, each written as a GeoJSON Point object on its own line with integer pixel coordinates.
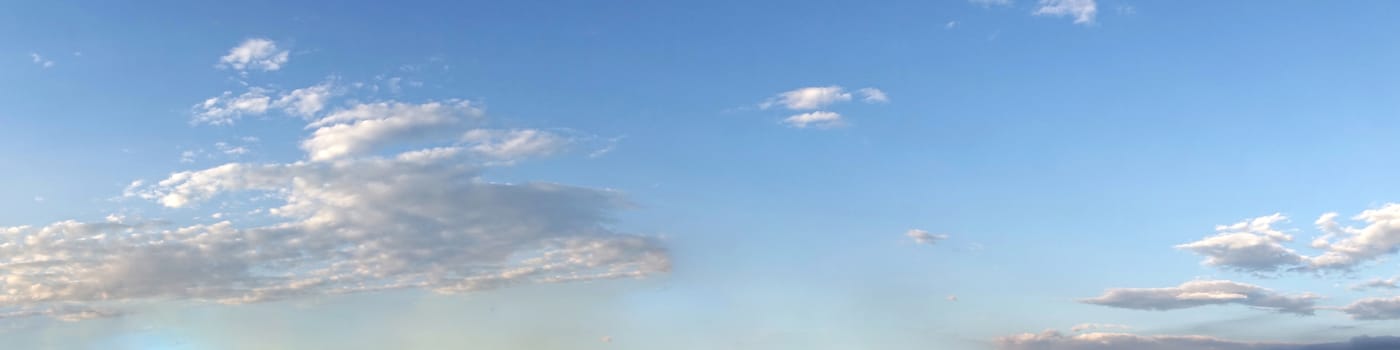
{"type": "Point", "coordinates": [808, 98]}
{"type": "Point", "coordinates": [873, 95]}
{"type": "Point", "coordinates": [818, 119]}
{"type": "Point", "coordinates": [308, 101]}
{"type": "Point", "coordinates": [1205, 292]}
{"type": "Point", "coordinates": [255, 54]}
{"type": "Point", "coordinates": [1093, 326]}
{"type": "Point", "coordinates": [1377, 283]}
{"type": "Point", "coordinates": [365, 127]}
{"type": "Point", "coordinates": [356, 222]}
{"type": "Point", "coordinates": [1379, 237]}
{"type": "Point", "coordinates": [1254, 245]}
{"type": "Point", "coordinates": [991, 2]}
{"type": "Point", "coordinates": [514, 144]}
{"type": "Point", "coordinates": [1251, 245]}
{"type": "Point", "coordinates": [1083, 11]}
{"type": "Point", "coordinates": [1052, 340]}
{"type": "Point", "coordinates": [40, 60]}
{"type": "Point", "coordinates": [1374, 309]}
{"type": "Point", "coordinates": [227, 108]}
{"type": "Point", "coordinates": [924, 237]}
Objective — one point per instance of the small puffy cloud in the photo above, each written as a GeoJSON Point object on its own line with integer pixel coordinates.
{"type": "Point", "coordinates": [1096, 326]}
{"type": "Point", "coordinates": [808, 98]}
{"type": "Point", "coordinates": [1053, 340]}
{"type": "Point", "coordinates": [873, 95]}
{"type": "Point", "coordinates": [606, 339]}
{"type": "Point", "coordinates": [818, 119]}
{"type": "Point", "coordinates": [255, 54]}
{"type": "Point", "coordinates": [1083, 11]}
{"type": "Point", "coordinates": [515, 144]}
{"type": "Point", "coordinates": [1206, 292]}
{"type": "Point", "coordinates": [306, 102]}
{"type": "Point", "coordinates": [40, 60]}
{"type": "Point", "coordinates": [952, 298]}
{"type": "Point", "coordinates": [366, 127]}
{"type": "Point", "coordinates": [924, 237]}
{"type": "Point", "coordinates": [227, 108]}
{"type": "Point", "coordinates": [1251, 245]}
{"type": "Point", "coordinates": [1374, 309]}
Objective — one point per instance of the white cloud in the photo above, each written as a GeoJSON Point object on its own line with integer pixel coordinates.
{"type": "Point", "coordinates": [924, 237]}
{"type": "Point", "coordinates": [808, 98]}
{"type": "Point", "coordinates": [950, 25]}
{"type": "Point", "coordinates": [818, 119]}
{"type": "Point", "coordinates": [514, 144]}
{"type": "Point", "coordinates": [418, 219]}
{"type": "Point", "coordinates": [1096, 326]}
{"type": "Point", "coordinates": [1083, 11]}
{"type": "Point", "coordinates": [40, 60]}
{"type": "Point", "coordinates": [255, 54]}
{"type": "Point", "coordinates": [1256, 246]}
{"type": "Point", "coordinates": [991, 2]}
{"type": "Point", "coordinates": [1379, 237]}
{"type": "Point", "coordinates": [306, 102]}
{"type": "Point", "coordinates": [227, 108]}
{"type": "Point", "coordinates": [1206, 292]}
{"type": "Point", "coordinates": [366, 127]}
{"type": "Point", "coordinates": [1252, 245]}
{"type": "Point", "coordinates": [873, 95]}
{"type": "Point", "coordinates": [1052, 340]}
{"type": "Point", "coordinates": [232, 150]}
{"type": "Point", "coordinates": [1374, 309]}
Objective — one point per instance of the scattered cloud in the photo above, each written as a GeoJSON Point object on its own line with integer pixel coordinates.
{"type": "Point", "coordinates": [950, 25]}
{"type": "Point", "coordinates": [1252, 245]}
{"type": "Point", "coordinates": [514, 144]}
{"type": "Point", "coordinates": [1377, 283]}
{"type": "Point", "coordinates": [924, 237]}
{"type": "Point", "coordinates": [952, 298]}
{"type": "Point", "coordinates": [1053, 340]}
{"type": "Point", "coordinates": [366, 127]}
{"type": "Point", "coordinates": [351, 221]}
{"type": "Point", "coordinates": [255, 54]}
{"type": "Point", "coordinates": [306, 102]}
{"type": "Point", "coordinates": [818, 119]}
{"type": "Point", "coordinates": [808, 98]}
{"type": "Point", "coordinates": [991, 2]}
{"type": "Point", "coordinates": [227, 108]}
{"type": "Point", "coordinates": [1083, 11]}
{"type": "Point", "coordinates": [40, 60]}
{"type": "Point", "coordinates": [1374, 309]}
{"type": "Point", "coordinates": [1255, 246]}
{"type": "Point", "coordinates": [1206, 292]}
{"type": "Point", "coordinates": [1096, 326]}
{"type": "Point", "coordinates": [873, 95]}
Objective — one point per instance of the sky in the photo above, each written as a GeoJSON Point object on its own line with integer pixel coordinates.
{"type": "Point", "coordinates": [958, 174]}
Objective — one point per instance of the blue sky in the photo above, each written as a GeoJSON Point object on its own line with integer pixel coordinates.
{"type": "Point", "coordinates": [633, 175]}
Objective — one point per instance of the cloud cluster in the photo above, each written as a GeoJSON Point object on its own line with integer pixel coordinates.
{"type": "Point", "coordinates": [255, 54]}
{"type": "Point", "coordinates": [1052, 340]}
{"type": "Point", "coordinates": [819, 97]}
{"type": "Point", "coordinates": [1206, 292]}
{"type": "Point", "coordinates": [1083, 11]}
{"type": "Point", "coordinates": [1256, 246]}
{"type": "Point", "coordinates": [379, 203]}
{"type": "Point", "coordinates": [228, 108]}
